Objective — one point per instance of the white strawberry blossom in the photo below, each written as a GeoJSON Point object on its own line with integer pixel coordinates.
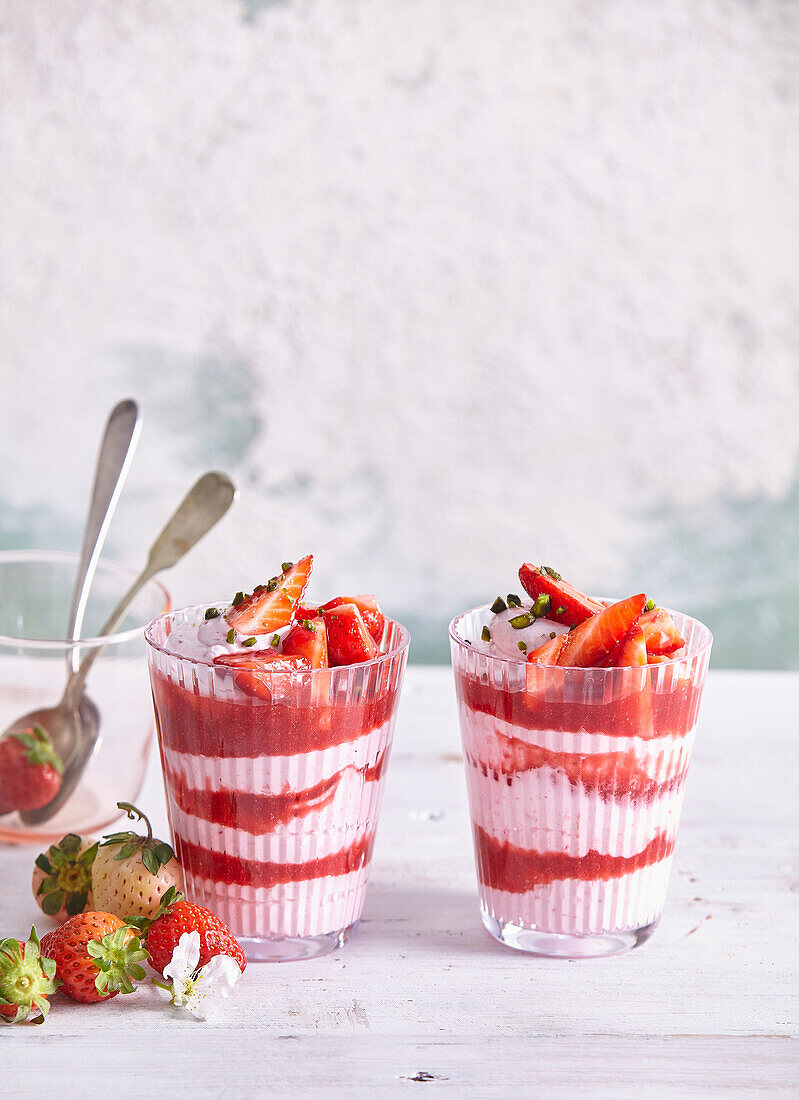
{"type": "Point", "coordinates": [199, 991]}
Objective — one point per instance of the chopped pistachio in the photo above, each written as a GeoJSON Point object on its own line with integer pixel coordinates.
{"type": "Point", "coordinates": [275, 639]}
{"type": "Point", "coordinates": [523, 646]}
{"type": "Point", "coordinates": [552, 572]}
{"type": "Point", "coordinates": [212, 613]}
{"type": "Point", "coordinates": [308, 625]}
{"type": "Point", "coordinates": [231, 636]}
{"type": "Point", "coordinates": [486, 634]}
{"type": "Point", "coordinates": [560, 610]}
{"type": "Point", "coordinates": [498, 605]}
{"type": "Point", "coordinates": [519, 622]}
{"type": "Point", "coordinates": [287, 565]}
{"type": "Point", "coordinates": [238, 598]}
{"type": "Point", "coordinates": [552, 634]}
{"type": "Point", "coordinates": [249, 641]}
{"type": "Point", "coordinates": [272, 585]}
{"type": "Point", "coordinates": [513, 600]}
{"type": "Point", "coordinates": [542, 605]}
{"type": "Point", "coordinates": [649, 605]}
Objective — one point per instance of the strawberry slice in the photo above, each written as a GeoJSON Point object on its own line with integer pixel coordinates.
{"type": "Point", "coordinates": [660, 632]}
{"type": "Point", "coordinates": [548, 653]}
{"type": "Point", "coordinates": [306, 611]}
{"type": "Point", "coordinates": [370, 612]}
{"type": "Point", "coordinates": [567, 604]}
{"type": "Point", "coordinates": [272, 605]}
{"type": "Point", "coordinates": [262, 674]}
{"type": "Point", "coordinates": [348, 639]}
{"type": "Point", "coordinates": [633, 649]}
{"type": "Point", "coordinates": [596, 639]}
{"type": "Point", "coordinates": [308, 638]}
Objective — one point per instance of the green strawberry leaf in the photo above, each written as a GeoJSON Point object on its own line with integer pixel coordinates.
{"type": "Point", "coordinates": [44, 864]}
{"type": "Point", "coordinates": [86, 859]}
{"type": "Point", "coordinates": [150, 861]}
{"type": "Point", "coordinates": [69, 845]}
{"type": "Point", "coordinates": [126, 851]}
{"type": "Point", "coordinates": [53, 902]}
{"type": "Point", "coordinates": [76, 903]}
{"type": "Point", "coordinates": [163, 852]}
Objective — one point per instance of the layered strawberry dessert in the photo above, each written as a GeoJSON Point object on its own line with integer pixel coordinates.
{"type": "Point", "coordinates": [275, 718]}
{"type": "Point", "coordinates": [577, 717]}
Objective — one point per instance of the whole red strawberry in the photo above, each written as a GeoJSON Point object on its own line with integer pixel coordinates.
{"type": "Point", "coordinates": [30, 770]}
{"type": "Point", "coordinates": [178, 916]}
{"type": "Point", "coordinates": [27, 979]}
{"type": "Point", "coordinates": [96, 955]}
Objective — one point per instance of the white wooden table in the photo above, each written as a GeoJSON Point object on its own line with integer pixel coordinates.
{"type": "Point", "coordinates": [423, 998]}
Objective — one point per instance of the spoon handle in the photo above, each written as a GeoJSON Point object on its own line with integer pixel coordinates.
{"type": "Point", "coordinates": [202, 507]}
{"type": "Point", "coordinates": [113, 462]}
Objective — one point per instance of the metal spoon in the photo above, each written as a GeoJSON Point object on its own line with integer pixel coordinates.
{"type": "Point", "coordinates": [117, 448]}
{"type": "Point", "coordinates": [73, 724]}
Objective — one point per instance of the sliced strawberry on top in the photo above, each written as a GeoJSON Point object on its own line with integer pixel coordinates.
{"type": "Point", "coordinates": [370, 612]}
{"type": "Point", "coordinates": [272, 605]}
{"type": "Point", "coordinates": [567, 604]}
{"type": "Point", "coordinates": [660, 632]}
{"type": "Point", "coordinates": [633, 649]}
{"type": "Point", "coordinates": [591, 643]}
{"type": "Point", "coordinates": [262, 674]}
{"type": "Point", "coordinates": [348, 639]}
{"type": "Point", "coordinates": [548, 653]}
{"type": "Point", "coordinates": [308, 638]}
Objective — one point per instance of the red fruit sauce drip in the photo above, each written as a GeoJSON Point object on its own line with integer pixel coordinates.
{"type": "Point", "coordinates": [208, 726]}
{"type": "Point", "coordinates": [642, 714]}
{"type": "Point", "coordinates": [502, 866]}
{"type": "Point", "coordinates": [233, 871]}
{"type": "Point", "coordinates": [258, 813]}
{"type": "Point", "coordinates": [613, 775]}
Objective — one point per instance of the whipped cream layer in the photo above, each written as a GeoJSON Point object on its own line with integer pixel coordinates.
{"type": "Point", "coordinates": [505, 637]}
{"type": "Point", "coordinates": [205, 639]}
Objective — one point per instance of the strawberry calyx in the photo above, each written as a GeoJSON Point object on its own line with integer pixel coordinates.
{"type": "Point", "coordinates": [117, 957]}
{"type": "Point", "coordinates": [68, 876]}
{"type": "Point", "coordinates": [27, 979]}
{"type": "Point", "coordinates": [39, 748]}
{"type": "Point", "coordinates": [169, 898]}
{"type": "Point", "coordinates": [155, 853]}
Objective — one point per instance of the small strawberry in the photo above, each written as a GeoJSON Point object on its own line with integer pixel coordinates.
{"type": "Point", "coordinates": [30, 770]}
{"type": "Point", "coordinates": [96, 955]}
{"type": "Point", "coordinates": [596, 639]}
{"type": "Point", "coordinates": [264, 674]}
{"type": "Point", "coordinates": [660, 632]}
{"type": "Point", "coordinates": [370, 612]}
{"type": "Point", "coordinates": [632, 650]}
{"type": "Point", "coordinates": [272, 605]}
{"type": "Point", "coordinates": [132, 872]}
{"type": "Point", "coordinates": [308, 638]}
{"type": "Point", "coordinates": [348, 640]}
{"type": "Point", "coordinates": [62, 877]}
{"type": "Point", "coordinates": [27, 979]}
{"type": "Point", "coordinates": [177, 916]}
{"type": "Point", "coordinates": [566, 604]}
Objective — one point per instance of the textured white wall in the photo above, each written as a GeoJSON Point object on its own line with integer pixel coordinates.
{"type": "Point", "coordinates": [445, 286]}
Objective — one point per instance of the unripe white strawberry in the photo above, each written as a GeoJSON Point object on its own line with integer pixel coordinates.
{"type": "Point", "coordinates": [62, 877]}
{"type": "Point", "coordinates": [131, 872]}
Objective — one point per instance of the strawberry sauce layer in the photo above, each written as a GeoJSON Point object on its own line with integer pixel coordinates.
{"type": "Point", "coordinates": [221, 867]}
{"type": "Point", "coordinates": [502, 866]}
{"type": "Point", "coordinates": [258, 813]}
{"type": "Point", "coordinates": [612, 774]}
{"type": "Point", "coordinates": [642, 714]}
{"type": "Point", "coordinates": [206, 726]}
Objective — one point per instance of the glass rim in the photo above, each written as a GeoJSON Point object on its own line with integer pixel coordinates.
{"type": "Point", "coordinates": [703, 646]}
{"type": "Point", "coordinates": [65, 645]}
{"type": "Point", "coordinates": [395, 651]}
